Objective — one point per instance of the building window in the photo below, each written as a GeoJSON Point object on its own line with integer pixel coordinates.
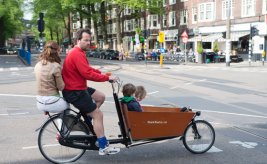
{"type": "Point", "coordinates": [183, 17]}
{"type": "Point", "coordinates": [172, 2]}
{"type": "Point", "coordinates": [264, 6]}
{"type": "Point", "coordinates": [127, 11]}
{"type": "Point", "coordinates": [128, 25]}
{"type": "Point", "coordinates": [248, 8]}
{"type": "Point", "coordinates": [153, 21]}
{"type": "Point", "coordinates": [206, 11]}
{"type": "Point", "coordinates": [142, 24]}
{"type": "Point", "coordinates": [226, 4]}
{"type": "Point", "coordinates": [75, 26]}
{"type": "Point", "coordinates": [164, 20]}
{"type": "Point", "coordinates": [109, 28]}
{"type": "Point", "coordinates": [164, 3]}
{"type": "Point", "coordinates": [194, 15]}
{"type": "Point", "coordinates": [114, 28]}
{"type": "Point", "coordinates": [113, 13]}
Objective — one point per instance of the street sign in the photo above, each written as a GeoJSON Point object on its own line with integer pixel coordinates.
{"type": "Point", "coordinates": [185, 40]}
{"type": "Point", "coordinates": [184, 35]}
{"type": "Point", "coordinates": [161, 36]}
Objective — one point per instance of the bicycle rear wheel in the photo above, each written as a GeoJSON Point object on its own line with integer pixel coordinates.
{"type": "Point", "coordinates": [48, 142]}
{"type": "Point", "coordinates": [199, 137]}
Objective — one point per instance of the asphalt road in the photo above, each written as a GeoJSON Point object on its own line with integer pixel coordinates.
{"type": "Point", "coordinates": [232, 99]}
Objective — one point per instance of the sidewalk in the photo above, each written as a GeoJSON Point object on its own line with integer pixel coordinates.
{"type": "Point", "coordinates": [13, 62]}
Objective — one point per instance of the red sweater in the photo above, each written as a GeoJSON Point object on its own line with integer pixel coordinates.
{"type": "Point", "coordinates": [77, 70]}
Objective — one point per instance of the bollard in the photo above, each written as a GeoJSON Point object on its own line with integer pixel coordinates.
{"type": "Point", "coordinates": [161, 60]}
{"type": "Point", "coordinates": [262, 57]}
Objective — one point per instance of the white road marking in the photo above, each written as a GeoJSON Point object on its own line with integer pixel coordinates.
{"type": "Point", "coordinates": [203, 80]}
{"type": "Point", "coordinates": [249, 145]}
{"type": "Point", "coordinates": [13, 114]}
{"type": "Point", "coordinates": [237, 114]}
{"type": "Point", "coordinates": [35, 147]}
{"type": "Point", "coordinates": [153, 92]}
{"type": "Point", "coordinates": [188, 83]}
{"type": "Point", "coordinates": [214, 149]}
{"type": "Point", "coordinates": [15, 95]}
{"type": "Point", "coordinates": [111, 102]}
{"type": "Point", "coordinates": [14, 69]}
{"type": "Point", "coordinates": [174, 87]}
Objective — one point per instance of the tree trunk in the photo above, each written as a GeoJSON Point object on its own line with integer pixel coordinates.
{"type": "Point", "coordinates": [68, 29]}
{"type": "Point", "coordinates": [57, 35]}
{"type": "Point", "coordinates": [2, 35]}
{"type": "Point", "coordinates": [104, 25]}
{"type": "Point", "coordinates": [118, 21]}
{"type": "Point", "coordinates": [95, 25]}
{"type": "Point", "coordinates": [81, 19]}
{"type": "Point", "coordinates": [51, 33]}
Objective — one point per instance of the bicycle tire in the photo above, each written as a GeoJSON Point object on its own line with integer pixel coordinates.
{"type": "Point", "coordinates": [199, 144]}
{"type": "Point", "coordinates": [48, 143]}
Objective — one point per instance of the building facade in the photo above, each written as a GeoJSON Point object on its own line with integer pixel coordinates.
{"type": "Point", "coordinates": [204, 21]}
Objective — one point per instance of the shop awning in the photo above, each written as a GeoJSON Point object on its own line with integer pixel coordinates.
{"type": "Point", "coordinates": [218, 36]}
{"type": "Point", "coordinates": [236, 35]}
{"type": "Point", "coordinates": [214, 37]}
{"type": "Point", "coordinates": [196, 38]}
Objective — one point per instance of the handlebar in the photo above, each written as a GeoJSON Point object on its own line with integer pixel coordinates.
{"type": "Point", "coordinates": [118, 83]}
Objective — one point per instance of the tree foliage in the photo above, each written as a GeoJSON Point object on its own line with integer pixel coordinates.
{"type": "Point", "coordinates": [215, 46]}
{"type": "Point", "coordinates": [60, 10]}
{"type": "Point", "coordinates": [10, 19]}
{"type": "Point", "coordinates": [199, 48]}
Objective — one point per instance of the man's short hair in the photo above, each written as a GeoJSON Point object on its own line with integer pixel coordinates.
{"type": "Point", "coordinates": [80, 32]}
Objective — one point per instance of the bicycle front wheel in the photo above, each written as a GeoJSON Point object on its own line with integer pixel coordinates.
{"type": "Point", "coordinates": [49, 145]}
{"type": "Point", "coordinates": [199, 136]}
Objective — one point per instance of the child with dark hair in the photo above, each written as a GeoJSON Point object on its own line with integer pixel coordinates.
{"type": "Point", "coordinates": [129, 91]}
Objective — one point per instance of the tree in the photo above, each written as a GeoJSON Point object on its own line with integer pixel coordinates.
{"type": "Point", "coordinates": [10, 19]}
{"type": "Point", "coordinates": [57, 15]}
{"type": "Point", "coordinates": [199, 48]}
{"type": "Point", "coordinates": [215, 46]}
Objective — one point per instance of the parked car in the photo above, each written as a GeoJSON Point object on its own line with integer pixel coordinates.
{"type": "Point", "coordinates": [139, 56]}
{"type": "Point", "coordinates": [210, 56]}
{"type": "Point", "coordinates": [236, 58]}
{"type": "Point", "coordinates": [90, 53]}
{"type": "Point", "coordinates": [112, 55]}
{"type": "Point", "coordinates": [97, 52]}
{"type": "Point", "coordinates": [12, 50]}
{"type": "Point", "coordinates": [3, 50]}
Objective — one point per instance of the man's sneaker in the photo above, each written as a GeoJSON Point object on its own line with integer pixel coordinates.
{"type": "Point", "coordinates": [108, 150]}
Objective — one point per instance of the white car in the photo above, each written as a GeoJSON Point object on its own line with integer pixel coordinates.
{"type": "Point", "coordinates": [11, 51]}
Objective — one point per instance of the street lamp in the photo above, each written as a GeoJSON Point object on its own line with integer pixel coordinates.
{"type": "Point", "coordinates": [228, 41]}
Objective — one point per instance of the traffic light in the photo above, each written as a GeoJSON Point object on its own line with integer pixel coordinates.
{"type": "Point", "coordinates": [41, 23]}
{"type": "Point", "coordinates": [254, 31]}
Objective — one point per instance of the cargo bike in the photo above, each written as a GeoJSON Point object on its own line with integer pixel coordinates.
{"type": "Point", "coordinates": [65, 137]}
